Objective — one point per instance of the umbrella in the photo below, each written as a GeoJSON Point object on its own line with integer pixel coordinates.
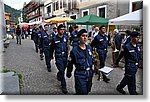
{"type": "Point", "coordinates": [58, 20]}
{"type": "Point", "coordinates": [24, 25]}
{"type": "Point", "coordinates": [90, 20]}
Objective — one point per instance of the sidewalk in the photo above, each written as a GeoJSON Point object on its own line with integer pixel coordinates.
{"type": "Point", "coordinates": [10, 84]}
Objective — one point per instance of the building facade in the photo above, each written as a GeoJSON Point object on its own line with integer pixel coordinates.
{"type": "Point", "coordinates": [78, 8]}
{"type": "Point", "coordinates": [33, 11]}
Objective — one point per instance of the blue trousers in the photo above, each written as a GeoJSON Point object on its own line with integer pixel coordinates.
{"type": "Point", "coordinates": [47, 57]}
{"type": "Point", "coordinates": [61, 64]}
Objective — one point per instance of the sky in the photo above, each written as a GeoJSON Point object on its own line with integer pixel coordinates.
{"type": "Point", "coordinates": [17, 4]}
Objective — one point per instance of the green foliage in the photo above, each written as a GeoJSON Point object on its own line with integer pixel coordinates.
{"type": "Point", "coordinates": [14, 13]}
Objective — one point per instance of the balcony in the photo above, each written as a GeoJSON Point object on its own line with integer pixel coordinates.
{"type": "Point", "coordinates": [34, 16]}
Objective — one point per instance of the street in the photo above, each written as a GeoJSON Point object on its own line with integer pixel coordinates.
{"type": "Point", "coordinates": [37, 80]}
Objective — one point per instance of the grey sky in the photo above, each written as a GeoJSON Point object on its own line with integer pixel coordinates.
{"type": "Point", "coordinates": [17, 4]}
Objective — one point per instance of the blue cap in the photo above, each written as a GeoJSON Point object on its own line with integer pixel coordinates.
{"type": "Point", "coordinates": [134, 34]}
{"type": "Point", "coordinates": [81, 32]}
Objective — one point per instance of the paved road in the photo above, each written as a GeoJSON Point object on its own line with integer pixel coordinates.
{"type": "Point", "coordinates": [36, 80]}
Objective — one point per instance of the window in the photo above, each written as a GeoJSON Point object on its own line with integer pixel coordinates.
{"type": "Point", "coordinates": [64, 4]}
{"type": "Point", "coordinates": [60, 4]}
{"type": "Point", "coordinates": [85, 12]}
{"type": "Point", "coordinates": [137, 5]}
{"type": "Point", "coordinates": [101, 11]}
{"type": "Point", "coordinates": [54, 6]}
{"type": "Point", "coordinates": [69, 5]}
{"type": "Point", "coordinates": [57, 5]}
{"type": "Point", "coordinates": [73, 17]}
{"type": "Point", "coordinates": [49, 9]}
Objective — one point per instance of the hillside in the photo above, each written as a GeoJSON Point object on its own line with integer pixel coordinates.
{"type": "Point", "coordinates": [14, 13]}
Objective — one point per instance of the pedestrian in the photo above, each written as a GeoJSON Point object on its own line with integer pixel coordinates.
{"type": "Point", "coordinates": [59, 44]}
{"type": "Point", "coordinates": [81, 57]}
{"type": "Point", "coordinates": [18, 34]}
{"type": "Point", "coordinates": [100, 42]}
{"type": "Point", "coordinates": [116, 45]}
{"type": "Point", "coordinates": [46, 44]}
{"type": "Point", "coordinates": [74, 39]}
{"type": "Point", "coordinates": [126, 41]}
{"type": "Point", "coordinates": [23, 32]}
{"type": "Point", "coordinates": [12, 30]}
{"type": "Point", "coordinates": [40, 42]}
{"type": "Point", "coordinates": [131, 52]}
{"type": "Point", "coordinates": [35, 37]}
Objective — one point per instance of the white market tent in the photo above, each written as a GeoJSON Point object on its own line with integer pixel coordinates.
{"type": "Point", "coordinates": [133, 18]}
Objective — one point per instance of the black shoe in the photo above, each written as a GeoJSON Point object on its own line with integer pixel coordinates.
{"type": "Point", "coordinates": [106, 80]}
{"type": "Point", "coordinates": [120, 90]}
{"type": "Point", "coordinates": [41, 58]}
{"type": "Point", "coordinates": [49, 69]}
{"type": "Point", "coordinates": [64, 90]}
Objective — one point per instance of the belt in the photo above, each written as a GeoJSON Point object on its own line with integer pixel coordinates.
{"type": "Point", "coordinates": [134, 63]}
{"type": "Point", "coordinates": [86, 69]}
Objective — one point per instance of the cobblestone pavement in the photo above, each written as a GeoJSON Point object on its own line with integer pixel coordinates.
{"type": "Point", "coordinates": [37, 80]}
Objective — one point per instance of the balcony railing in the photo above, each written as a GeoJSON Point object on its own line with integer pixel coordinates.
{"type": "Point", "coordinates": [34, 16]}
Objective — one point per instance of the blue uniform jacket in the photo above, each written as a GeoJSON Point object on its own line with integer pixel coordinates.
{"type": "Point", "coordinates": [74, 38]}
{"type": "Point", "coordinates": [60, 45]}
{"type": "Point", "coordinates": [101, 43]}
{"type": "Point", "coordinates": [132, 56]}
{"type": "Point", "coordinates": [45, 39]}
{"type": "Point", "coordinates": [82, 62]}
{"type": "Point", "coordinates": [40, 40]}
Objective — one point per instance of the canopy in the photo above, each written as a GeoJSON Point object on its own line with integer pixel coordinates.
{"type": "Point", "coordinates": [90, 20]}
{"type": "Point", "coordinates": [58, 20]}
{"type": "Point", "coordinates": [133, 18]}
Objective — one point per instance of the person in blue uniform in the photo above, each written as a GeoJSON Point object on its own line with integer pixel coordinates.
{"type": "Point", "coordinates": [40, 40]}
{"type": "Point", "coordinates": [81, 57]}
{"type": "Point", "coordinates": [131, 52]}
{"type": "Point", "coordinates": [74, 39]}
{"type": "Point", "coordinates": [100, 42]}
{"type": "Point", "coordinates": [59, 44]}
{"type": "Point", "coordinates": [54, 33]}
{"type": "Point", "coordinates": [46, 44]}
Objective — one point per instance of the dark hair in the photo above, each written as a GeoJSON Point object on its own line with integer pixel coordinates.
{"type": "Point", "coordinates": [60, 26]}
{"type": "Point", "coordinates": [40, 27]}
{"type": "Point", "coordinates": [75, 27]}
{"type": "Point", "coordinates": [45, 25]}
{"type": "Point", "coordinates": [128, 32]}
{"type": "Point", "coordinates": [101, 27]}
{"type": "Point", "coordinates": [54, 28]}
